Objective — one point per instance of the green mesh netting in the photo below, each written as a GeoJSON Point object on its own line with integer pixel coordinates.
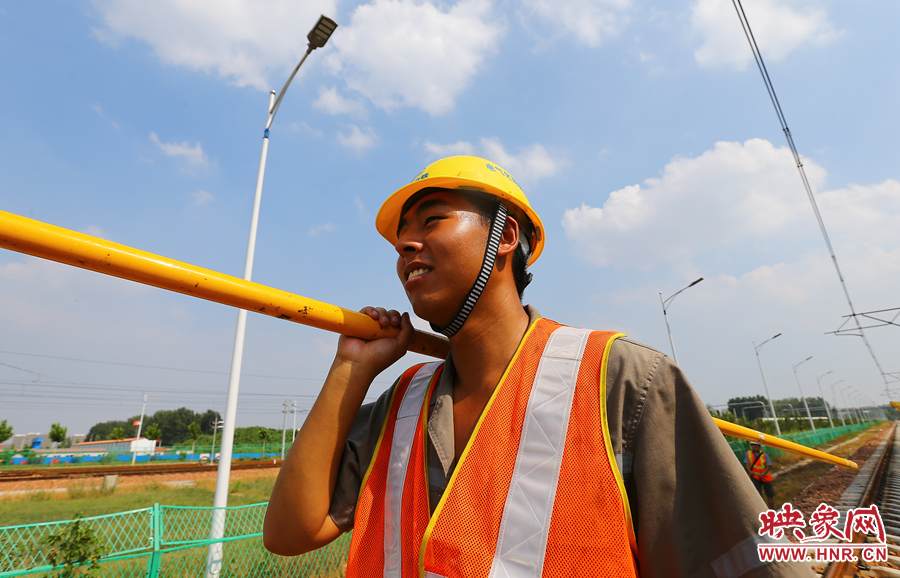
{"type": "Point", "coordinates": [167, 541]}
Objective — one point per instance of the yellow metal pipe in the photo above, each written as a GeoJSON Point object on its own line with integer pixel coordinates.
{"type": "Point", "coordinates": [39, 239]}
{"type": "Point", "coordinates": [752, 435]}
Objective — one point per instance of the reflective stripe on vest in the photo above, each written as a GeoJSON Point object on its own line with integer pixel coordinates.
{"type": "Point", "coordinates": [404, 431]}
{"type": "Point", "coordinates": [529, 503]}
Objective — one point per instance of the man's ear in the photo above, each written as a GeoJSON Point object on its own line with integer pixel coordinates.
{"type": "Point", "coordinates": [509, 240]}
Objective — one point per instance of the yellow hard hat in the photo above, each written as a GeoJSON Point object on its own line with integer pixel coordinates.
{"type": "Point", "coordinates": [462, 172]}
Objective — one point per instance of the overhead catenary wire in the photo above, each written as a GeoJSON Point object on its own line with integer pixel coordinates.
{"type": "Point", "coordinates": [770, 88]}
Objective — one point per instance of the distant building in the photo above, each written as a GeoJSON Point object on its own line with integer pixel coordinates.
{"type": "Point", "coordinates": [127, 445]}
{"type": "Point", "coordinates": [34, 441]}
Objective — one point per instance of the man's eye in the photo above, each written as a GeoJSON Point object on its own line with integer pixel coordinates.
{"type": "Point", "coordinates": [432, 219]}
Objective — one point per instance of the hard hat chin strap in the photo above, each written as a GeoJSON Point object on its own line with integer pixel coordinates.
{"type": "Point", "coordinates": [490, 255]}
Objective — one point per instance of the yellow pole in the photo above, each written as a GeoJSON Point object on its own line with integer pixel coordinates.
{"type": "Point", "coordinates": [752, 435]}
{"type": "Point", "coordinates": [39, 239]}
{"type": "Point", "coordinates": [79, 250]}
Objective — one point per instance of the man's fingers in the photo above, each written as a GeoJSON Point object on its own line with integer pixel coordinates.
{"type": "Point", "coordinates": [406, 331]}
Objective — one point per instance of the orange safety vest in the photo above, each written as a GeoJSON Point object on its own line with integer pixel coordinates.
{"type": "Point", "coordinates": [536, 491]}
{"type": "Point", "coordinates": [758, 466]}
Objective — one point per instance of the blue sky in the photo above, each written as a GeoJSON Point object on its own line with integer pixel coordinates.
{"type": "Point", "coordinates": [641, 132]}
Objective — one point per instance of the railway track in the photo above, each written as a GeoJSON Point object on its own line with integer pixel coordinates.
{"type": "Point", "coordinates": [878, 483]}
{"type": "Point", "coordinates": [136, 470]}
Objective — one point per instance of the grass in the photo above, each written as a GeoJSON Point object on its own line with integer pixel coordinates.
{"type": "Point", "coordinates": [45, 506]}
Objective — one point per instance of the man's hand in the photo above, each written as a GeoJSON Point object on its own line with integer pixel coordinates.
{"type": "Point", "coordinates": [297, 518]}
{"type": "Point", "coordinates": [376, 356]}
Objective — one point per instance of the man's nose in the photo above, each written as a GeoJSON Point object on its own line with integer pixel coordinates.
{"type": "Point", "coordinates": [406, 244]}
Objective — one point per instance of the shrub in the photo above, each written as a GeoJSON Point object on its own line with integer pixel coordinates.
{"type": "Point", "coordinates": [76, 548]}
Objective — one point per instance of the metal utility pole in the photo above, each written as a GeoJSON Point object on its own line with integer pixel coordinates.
{"type": "Point", "coordinates": [140, 426]}
{"type": "Point", "coordinates": [294, 429]}
{"type": "Point", "coordinates": [818, 378]}
{"type": "Point", "coordinates": [756, 348]}
{"type": "Point", "coordinates": [317, 38]}
{"type": "Point", "coordinates": [847, 407]}
{"type": "Point", "coordinates": [806, 405]}
{"type": "Point", "coordinates": [287, 403]}
{"type": "Point", "coordinates": [834, 395]}
{"type": "Point", "coordinates": [217, 425]}
{"type": "Point", "coordinates": [665, 304]}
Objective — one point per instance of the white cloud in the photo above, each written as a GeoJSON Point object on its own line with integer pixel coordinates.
{"type": "Point", "coordinates": [728, 196]}
{"type": "Point", "coordinates": [202, 197]}
{"type": "Point", "coordinates": [779, 26]}
{"type": "Point", "coordinates": [102, 114]}
{"type": "Point", "coordinates": [303, 127]}
{"type": "Point", "coordinates": [326, 228]}
{"type": "Point", "coordinates": [243, 41]}
{"type": "Point", "coordinates": [360, 207]}
{"type": "Point", "coordinates": [358, 140]}
{"type": "Point", "coordinates": [590, 21]}
{"type": "Point", "coordinates": [194, 155]}
{"type": "Point", "coordinates": [333, 103]}
{"type": "Point", "coordinates": [412, 53]}
{"type": "Point", "coordinates": [528, 166]}
{"type": "Point", "coordinates": [95, 231]}
{"type": "Point", "coordinates": [449, 150]}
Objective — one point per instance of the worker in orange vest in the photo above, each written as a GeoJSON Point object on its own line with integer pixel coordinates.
{"type": "Point", "coordinates": [758, 467]}
{"type": "Point", "coordinates": [535, 449]}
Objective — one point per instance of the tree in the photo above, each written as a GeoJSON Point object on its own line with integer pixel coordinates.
{"type": "Point", "coordinates": [264, 436]}
{"type": "Point", "coordinates": [751, 408]}
{"type": "Point", "coordinates": [103, 430]}
{"type": "Point", "coordinates": [117, 433]}
{"type": "Point", "coordinates": [6, 431]}
{"type": "Point", "coordinates": [58, 433]}
{"type": "Point", "coordinates": [153, 432]}
{"type": "Point", "coordinates": [207, 420]}
{"type": "Point", "coordinates": [194, 430]}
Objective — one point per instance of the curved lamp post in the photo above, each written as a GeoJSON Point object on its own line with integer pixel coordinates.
{"type": "Point", "coordinates": [317, 38]}
{"type": "Point", "coordinates": [665, 304]}
{"type": "Point", "coordinates": [834, 395]}
{"type": "Point", "coordinates": [819, 377]}
{"type": "Point", "coordinates": [843, 399]}
{"type": "Point", "coordinates": [756, 348]}
{"type": "Point", "coordinates": [803, 397]}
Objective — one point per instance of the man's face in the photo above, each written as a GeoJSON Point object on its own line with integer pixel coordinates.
{"type": "Point", "coordinates": [441, 241]}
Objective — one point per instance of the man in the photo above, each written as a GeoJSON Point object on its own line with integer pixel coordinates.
{"type": "Point", "coordinates": [758, 465]}
{"type": "Point", "coordinates": [535, 449]}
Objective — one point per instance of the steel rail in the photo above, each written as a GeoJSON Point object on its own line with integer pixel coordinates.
{"type": "Point", "coordinates": [31, 237]}
{"type": "Point", "coordinates": [56, 473]}
{"type": "Point", "coordinates": [869, 496]}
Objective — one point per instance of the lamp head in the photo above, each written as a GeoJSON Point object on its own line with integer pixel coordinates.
{"type": "Point", "coordinates": [321, 32]}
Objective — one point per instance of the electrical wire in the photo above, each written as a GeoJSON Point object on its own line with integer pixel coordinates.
{"type": "Point", "coordinates": [770, 88]}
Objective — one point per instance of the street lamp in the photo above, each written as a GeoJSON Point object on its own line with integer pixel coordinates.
{"type": "Point", "coordinates": [317, 38]}
{"type": "Point", "coordinates": [840, 412]}
{"type": "Point", "coordinates": [665, 303]}
{"type": "Point", "coordinates": [809, 415]}
{"type": "Point", "coordinates": [830, 422]}
{"type": "Point", "coordinates": [858, 401]}
{"type": "Point", "coordinates": [756, 348]}
{"type": "Point", "coordinates": [843, 399]}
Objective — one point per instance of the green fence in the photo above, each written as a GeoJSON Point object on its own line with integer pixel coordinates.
{"type": "Point", "coordinates": [811, 439]}
{"type": "Point", "coordinates": [162, 541]}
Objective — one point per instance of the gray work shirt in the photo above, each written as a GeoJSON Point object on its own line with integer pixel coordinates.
{"type": "Point", "coordinates": [695, 510]}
